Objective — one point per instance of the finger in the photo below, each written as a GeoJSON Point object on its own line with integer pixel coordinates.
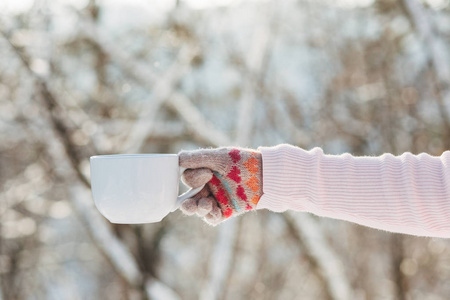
{"type": "Point", "coordinates": [196, 177]}
{"type": "Point", "coordinates": [190, 206]}
{"type": "Point", "coordinates": [214, 159]}
{"type": "Point", "coordinates": [215, 216]}
{"type": "Point", "coordinates": [205, 205]}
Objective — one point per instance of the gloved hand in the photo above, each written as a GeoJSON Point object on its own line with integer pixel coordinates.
{"type": "Point", "coordinates": [233, 178]}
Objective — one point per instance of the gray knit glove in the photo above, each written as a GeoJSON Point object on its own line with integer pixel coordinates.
{"type": "Point", "coordinates": [232, 178]}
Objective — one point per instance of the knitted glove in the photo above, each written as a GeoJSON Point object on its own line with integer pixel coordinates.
{"type": "Point", "coordinates": [232, 178]}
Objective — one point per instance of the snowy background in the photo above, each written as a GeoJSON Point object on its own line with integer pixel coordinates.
{"type": "Point", "coordinates": [79, 78]}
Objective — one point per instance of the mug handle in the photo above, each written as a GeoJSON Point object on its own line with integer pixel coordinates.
{"type": "Point", "coordinates": [189, 194]}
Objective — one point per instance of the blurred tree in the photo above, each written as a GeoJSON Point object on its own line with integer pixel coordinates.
{"type": "Point", "coordinates": [85, 78]}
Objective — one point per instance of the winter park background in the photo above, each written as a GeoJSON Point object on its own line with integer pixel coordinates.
{"type": "Point", "coordinates": [79, 78]}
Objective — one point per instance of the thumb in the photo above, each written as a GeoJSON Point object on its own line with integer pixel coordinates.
{"type": "Point", "coordinates": [196, 177]}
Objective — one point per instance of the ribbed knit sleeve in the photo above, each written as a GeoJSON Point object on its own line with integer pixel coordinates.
{"type": "Point", "coordinates": [405, 194]}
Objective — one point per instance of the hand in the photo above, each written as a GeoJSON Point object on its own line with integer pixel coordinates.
{"type": "Point", "coordinates": [232, 178]}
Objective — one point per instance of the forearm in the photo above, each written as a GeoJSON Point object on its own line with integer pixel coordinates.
{"type": "Point", "coordinates": [407, 194]}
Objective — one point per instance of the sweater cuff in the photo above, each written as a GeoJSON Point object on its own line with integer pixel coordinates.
{"type": "Point", "coordinates": [287, 172]}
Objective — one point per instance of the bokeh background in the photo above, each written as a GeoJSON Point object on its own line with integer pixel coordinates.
{"type": "Point", "coordinates": [80, 78]}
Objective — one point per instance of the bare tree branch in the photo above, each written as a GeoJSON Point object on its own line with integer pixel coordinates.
{"type": "Point", "coordinates": [162, 90]}
{"type": "Point", "coordinates": [156, 290]}
{"type": "Point", "coordinates": [137, 70]}
{"type": "Point", "coordinates": [115, 250]}
{"type": "Point", "coordinates": [21, 185]}
{"type": "Point", "coordinates": [254, 64]}
{"type": "Point", "coordinates": [419, 18]}
{"type": "Point", "coordinates": [221, 259]}
{"type": "Point", "coordinates": [318, 249]}
{"type": "Point", "coordinates": [200, 127]}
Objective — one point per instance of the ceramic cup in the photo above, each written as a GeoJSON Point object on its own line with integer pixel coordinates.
{"type": "Point", "coordinates": [137, 188]}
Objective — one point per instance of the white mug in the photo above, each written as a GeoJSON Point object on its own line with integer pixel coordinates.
{"type": "Point", "coordinates": [137, 188]}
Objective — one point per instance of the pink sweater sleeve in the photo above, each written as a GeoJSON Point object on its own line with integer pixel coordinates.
{"type": "Point", "coordinates": [406, 194]}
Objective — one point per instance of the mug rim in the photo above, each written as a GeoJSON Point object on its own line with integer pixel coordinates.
{"type": "Point", "coordinates": [139, 155]}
